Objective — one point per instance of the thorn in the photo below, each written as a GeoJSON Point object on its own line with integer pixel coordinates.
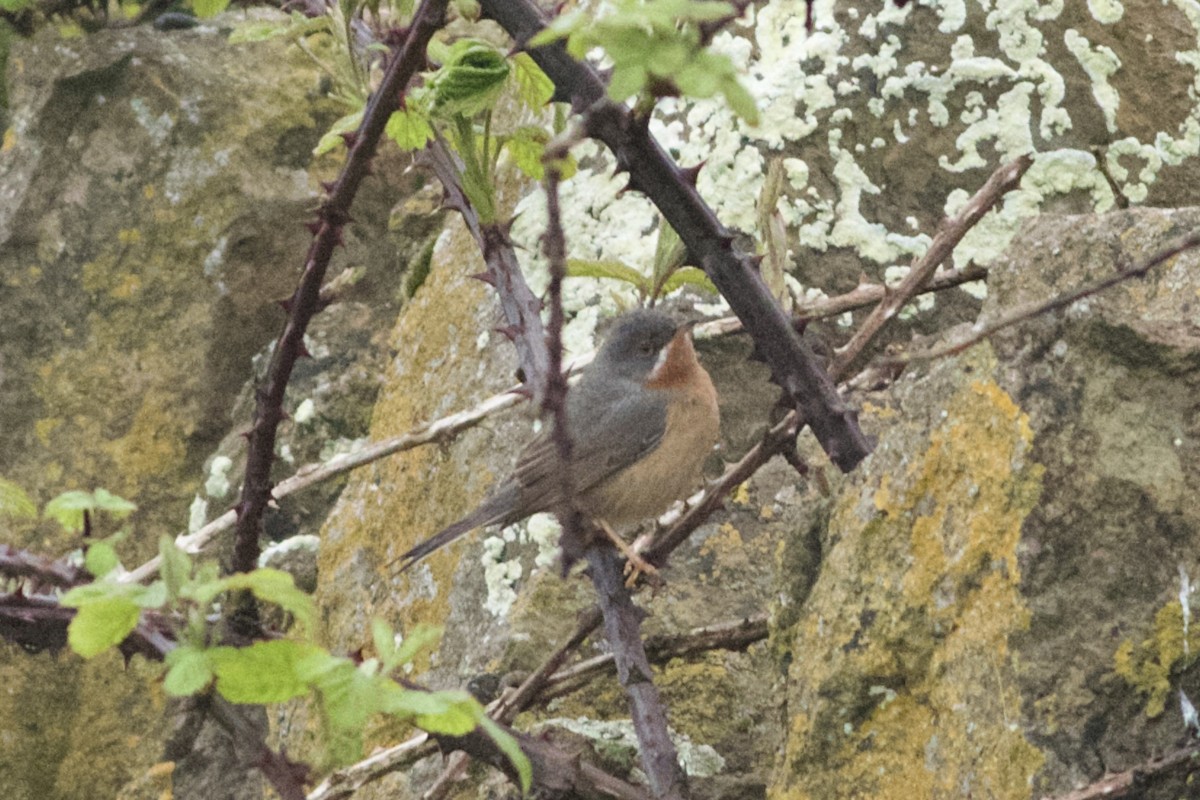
{"type": "Point", "coordinates": [314, 226]}
{"type": "Point", "coordinates": [328, 186]}
{"type": "Point", "coordinates": [302, 351]}
{"type": "Point", "coordinates": [510, 332]}
{"type": "Point", "coordinates": [755, 262]}
{"type": "Point", "coordinates": [246, 433]}
{"type": "Point", "coordinates": [484, 277]}
{"type": "Point", "coordinates": [690, 174]}
{"type": "Point", "coordinates": [350, 138]}
{"type": "Point", "coordinates": [285, 304]}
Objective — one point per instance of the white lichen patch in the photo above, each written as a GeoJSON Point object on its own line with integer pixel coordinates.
{"type": "Point", "coordinates": [216, 485]}
{"type": "Point", "coordinates": [839, 101]}
{"type": "Point", "coordinates": [1100, 63]}
{"type": "Point", "coordinates": [500, 577]}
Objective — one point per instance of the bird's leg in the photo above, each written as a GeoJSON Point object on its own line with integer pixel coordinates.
{"type": "Point", "coordinates": [635, 565]}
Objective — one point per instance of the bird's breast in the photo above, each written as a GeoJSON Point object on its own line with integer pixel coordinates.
{"type": "Point", "coordinates": [670, 471]}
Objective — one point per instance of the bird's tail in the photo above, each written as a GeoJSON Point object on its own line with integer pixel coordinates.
{"type": "Point", "coordinates": [497, 508]}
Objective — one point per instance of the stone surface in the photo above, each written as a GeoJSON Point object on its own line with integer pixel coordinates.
{"type": "Point", "coordinates": [153, 191]}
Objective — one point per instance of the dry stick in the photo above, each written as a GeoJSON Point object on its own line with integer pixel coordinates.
{"type": "Point", "coordinates": [332, 218]}
{"type": "Point", "coordinates": [1122, 783]}
{"type": "Point", "coordinates": [652, 172]}
{"type": "Point", "coordinates": [1019, 315]}
{"type": "Point", "coordinates": [950, 234]}
{"type": "Point", "coordinates": [737, 635]}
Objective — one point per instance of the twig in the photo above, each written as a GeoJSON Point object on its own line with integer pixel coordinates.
{"type": "Point", "coordinates": [948, 236]}
{"type": "Point", "coordinates": [1027, 312]}
{"type": "Point", "coordinates": [332, 218]}
{"type": "Point", "coordinates": [1122, 783]}
{"type": "Point", "coordinates": [556, 773]}
{"type": "Point", "coordinates": [866, 294]}
{"type": "Point", "coordinates": [736, 635]}
{"type": "Point", "coordinates": [653, 172]}
{"type": "Point", "coordinates": [349, 780]}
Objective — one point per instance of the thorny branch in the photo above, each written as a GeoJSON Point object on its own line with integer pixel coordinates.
{"type": "Point", "coordinates": [304, 303]}
{"type": "Point", "coordinates": [521, 308]}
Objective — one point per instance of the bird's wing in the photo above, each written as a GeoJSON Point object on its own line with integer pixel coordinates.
{"type": "Point", "coordinates": [630, 426]}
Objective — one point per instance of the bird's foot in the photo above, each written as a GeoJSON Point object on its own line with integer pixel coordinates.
{"type": "Point", "coordinates": [635, 565]}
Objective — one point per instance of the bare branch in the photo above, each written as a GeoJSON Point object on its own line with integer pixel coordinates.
{"type": "Point", "coordinates": [951, 232]}
{"type": "Point", "coordinates": [1016, 316]}
{"type": "Point", "coordinates": [16, 563]}
{"type": "Point", "coordinates": [1122, 784]}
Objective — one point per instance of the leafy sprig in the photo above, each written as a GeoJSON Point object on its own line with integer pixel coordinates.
{"type": "Point", "coordinates": [657, 49]}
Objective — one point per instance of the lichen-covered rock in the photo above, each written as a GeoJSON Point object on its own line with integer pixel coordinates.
{"type": "Point", "coordinates": [153, 192]}
{"type": "Point", "coordinates": [998, 609]}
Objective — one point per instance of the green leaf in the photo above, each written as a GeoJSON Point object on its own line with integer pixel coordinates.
{"type": "Point", "coordinates": [453, 713]}
{"type": "Point", "coordinates": [101, 624]}
{"type": "Point", "coordinates": [108, 502]}
{"type": "Point", "coordinates": [560, 27]}
{"type": "Point", "coordinates": [152, 596]}
{"type": "Point", "coordinates": [333, 137]}
{"type": "Point", "coordinates": [268, 585]}
{"type": "Point", "coordinates": [264, 672]}
{"type": "Point", "coordinates": [209, 8]}
{"type": "Point", "coordinates": [101, 559]}
{"type": "Point", "coordinates": [526, 145]}
{"type": "Point", "coordinates": [626, 81]}
{"type": "Point", "coordinates": [409, 129]}
{"type": "Point", "coordinates": [470, 80]}
{"type": "Point", "coordinates": [740, 100]}
{"type": "Point", "coordinates": [174, 566]}
{"type": "Point", "coordinates": [508, 745]}
{"type": "Point", "coordinates": [384, 637]}
{"type": "Point", "coordinates": [188, 671]}
{"type": "Point", "coordinates": [422, 637]}
{"type": "Point", "coordinates": [614, 270]}
{"type": "Point", "coordinates": [67, 509]}
{"type": "Point", "coordinates": [534, 87]}
{"type": "Point", "coordinates": [688, 276]}
{"type": "Point", "coordinates": [669, 252]}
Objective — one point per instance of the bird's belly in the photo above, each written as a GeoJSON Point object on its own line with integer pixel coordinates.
{"type": "Point", "coordinates": [668, 473]}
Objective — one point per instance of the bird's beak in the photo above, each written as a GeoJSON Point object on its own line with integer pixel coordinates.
{"type": "Point", "coordinates": [685, 329]}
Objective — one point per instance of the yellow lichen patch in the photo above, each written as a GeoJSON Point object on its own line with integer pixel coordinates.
{"type": "Point", "coordinates": [902, 683]}
{"type": "Point", "coordinates": [10, 140]}
{"type": "Point", "coordinates": [153, 445]}
{"type": "Point", "coordinates": [1147, 666]}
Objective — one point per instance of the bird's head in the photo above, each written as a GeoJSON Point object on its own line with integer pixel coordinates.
{"type": "Point", "coordinates": [648, 347]}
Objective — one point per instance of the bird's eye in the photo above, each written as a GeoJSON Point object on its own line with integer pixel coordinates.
{"type": "Point", "coordinates": [646, 347]}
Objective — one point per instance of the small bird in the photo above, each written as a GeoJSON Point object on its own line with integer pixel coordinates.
{"type": "Point", "coordinates": [642, 420]}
